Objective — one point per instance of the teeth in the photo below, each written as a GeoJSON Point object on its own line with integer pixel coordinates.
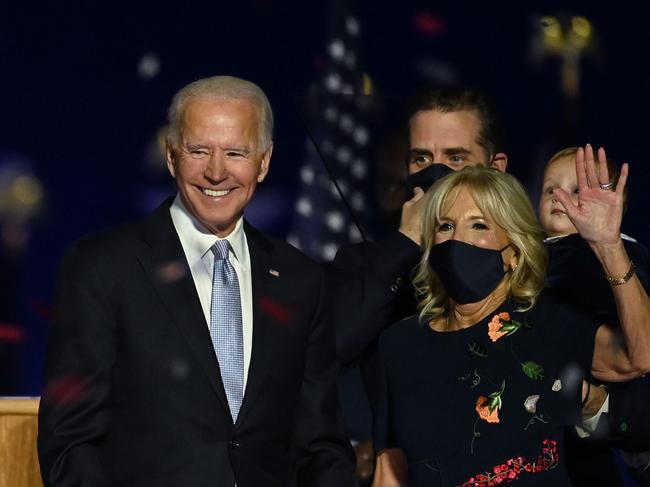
{"type": "Point", "coordinates": [212, 192]}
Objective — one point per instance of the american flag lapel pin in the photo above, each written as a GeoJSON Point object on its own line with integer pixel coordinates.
{"type": "Point", "coordinates": [273, 272]}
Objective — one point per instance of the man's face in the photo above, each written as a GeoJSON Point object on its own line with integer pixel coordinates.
{"type": "Point", "coordinates": [559, 174]}
{"type": "Point", "coordinates": [217, 161]}
{"type": "Point", "coordinates": [444, 138]}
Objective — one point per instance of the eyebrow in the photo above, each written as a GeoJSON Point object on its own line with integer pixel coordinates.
{"type": "Point", "coordinates": [242, 149]}
{"type": "Point", "coordinates": [472, 217]}
{"type": "Point", "coordinates": [449, 151]}
{"type": "Point", "coordinates": [419, 152]}
{"type": "Point", "coordinates": [453, 151]}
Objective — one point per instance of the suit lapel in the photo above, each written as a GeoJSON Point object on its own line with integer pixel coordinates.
{"type": "Point", "coordinates": [166, 266]}
{"type": "Point", "coordinates": [260, 253]}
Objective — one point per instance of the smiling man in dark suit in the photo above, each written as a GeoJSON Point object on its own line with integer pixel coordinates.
{"type": "Point", "coordinates": [189, 349]}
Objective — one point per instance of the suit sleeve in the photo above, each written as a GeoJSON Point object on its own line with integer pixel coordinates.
{"type": "Point", "coordinates": [627, 424]}
{"type": "Point", "coordinates": [382, 430]}
{"type": "Point", "coordinates": [73, 413]}
{"type": "Point", "coordinates": [324, 456]}
{"type": "Point", "coordinates": [368, 287]}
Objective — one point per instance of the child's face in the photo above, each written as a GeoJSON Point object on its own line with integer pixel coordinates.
{"type": "Point", "coordinates": [559, 174]}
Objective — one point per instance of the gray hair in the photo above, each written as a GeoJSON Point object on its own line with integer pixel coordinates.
{"type": "Point", "coordinates": [223, 87]}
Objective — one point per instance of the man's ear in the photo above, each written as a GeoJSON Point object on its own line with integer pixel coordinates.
{"type": "Point", "coordinates": [264, 164]}
{"type": "Point", "coordinates": [500, 161]}
{"type": "Point", "coordinates": [169, 157]}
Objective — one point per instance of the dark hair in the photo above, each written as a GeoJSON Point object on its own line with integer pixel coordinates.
{"type": "Point", "coordinates": [455, 99]}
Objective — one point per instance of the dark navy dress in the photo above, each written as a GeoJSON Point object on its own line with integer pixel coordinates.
{"type": "Point", "coordinates": [485, 405]}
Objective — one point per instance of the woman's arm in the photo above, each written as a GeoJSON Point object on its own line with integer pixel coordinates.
{"type": "Point", "coordinates": [597, 217]}
{"type": "Point", "coordinates": [390, 469]}
{"type": "Point", "coordinates": [622, 354]}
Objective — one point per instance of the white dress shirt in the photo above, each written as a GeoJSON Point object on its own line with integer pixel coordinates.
{"type": "Point", "coordinates": [196, 242]}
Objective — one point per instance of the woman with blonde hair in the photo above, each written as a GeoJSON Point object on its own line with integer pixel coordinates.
{"type": "Point", "coordinates": [478, 387]}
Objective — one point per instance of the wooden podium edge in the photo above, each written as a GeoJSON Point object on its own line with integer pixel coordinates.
{"type": "Point", "coordinates": [19, 405]}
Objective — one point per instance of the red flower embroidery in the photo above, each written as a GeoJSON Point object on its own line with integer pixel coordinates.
{"type": "Point", "coordinates": [494, 329]}
{"type": "Point", "coordinates": [502, 325]}
{"type": "Point", "coordinates": [513, 467]}
{"type": "Point", "coordinates": [488, 407]}
{"type": "Point", "coordinates": [484, 412]}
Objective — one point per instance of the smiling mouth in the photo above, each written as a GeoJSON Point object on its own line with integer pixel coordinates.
{"type": "Point", "coordinates": [214, 192]}
{"type": "Point", "coordinates": [558, 212]}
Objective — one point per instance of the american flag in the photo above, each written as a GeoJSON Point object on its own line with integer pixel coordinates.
{"type": "Point", "coordinates": [337, 147]}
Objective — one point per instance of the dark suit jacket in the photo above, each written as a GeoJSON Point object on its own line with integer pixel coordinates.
{"type": "Point", "coordinates": [373, 280]}
{"type": "Point", "coordinates": [133, 393]}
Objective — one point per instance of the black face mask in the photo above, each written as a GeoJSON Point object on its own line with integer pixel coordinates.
{"type": "Point", "coordinates": [467, 272]}
{"type": "Point", "coordinates": [426, 177]}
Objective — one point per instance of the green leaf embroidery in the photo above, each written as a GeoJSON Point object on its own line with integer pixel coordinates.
{"type": "Point", "coordinates": [476, 350]}
{"type": "Point", "coordinates": [494, 399]}
{"type": "Point", "coordinates": [533, 370]}
{"type": "Point", "coordinates": [511, 326]}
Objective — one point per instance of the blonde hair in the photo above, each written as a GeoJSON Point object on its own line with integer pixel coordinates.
{"type": "Point", "coordinates": [227, 87]}
{"type": "Point", "coordinates": [612, 168]}
{"type": "Point", "coordinates": [501, 198]}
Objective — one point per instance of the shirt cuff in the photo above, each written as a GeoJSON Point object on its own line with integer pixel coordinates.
{"type": "Point", "coordinates": [589, 425]}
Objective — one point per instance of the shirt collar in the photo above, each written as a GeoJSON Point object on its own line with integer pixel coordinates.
{"type": "Point", "coordinates": [555, 238]}
{"type": "Point", "coordinates": [197, 240]}
{"type": "Point", "coordinates": [549, 240]}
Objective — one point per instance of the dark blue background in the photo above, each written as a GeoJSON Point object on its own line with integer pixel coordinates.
{"type": "Point", "coordinates": [72, 102]}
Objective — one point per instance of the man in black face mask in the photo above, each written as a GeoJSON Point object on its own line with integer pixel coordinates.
{"type": "Point", "coordinates": [448, 129]}
{"type": "Point", "coordinates": [369, 283]}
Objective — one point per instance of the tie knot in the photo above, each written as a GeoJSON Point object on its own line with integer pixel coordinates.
{"type": "Point", "coordinates": [220, 249]}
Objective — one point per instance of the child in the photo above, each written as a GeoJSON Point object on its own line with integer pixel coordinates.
{"type": "Point", "coordinates": [573, 268]}
{"type": "Point", "coordinates": [560, 173]}
{"type": "Point", "coordinates": [576, 274]}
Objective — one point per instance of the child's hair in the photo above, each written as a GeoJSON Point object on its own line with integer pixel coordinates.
{"type": "Point", "coordinates": [612, 167]}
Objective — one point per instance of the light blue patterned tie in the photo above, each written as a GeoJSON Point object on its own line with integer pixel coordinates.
{"type": "Point", "coordinates": [226, 326]}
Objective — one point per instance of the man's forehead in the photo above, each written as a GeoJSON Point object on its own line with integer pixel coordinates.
{"type": "Point", "coordinates": [447, 128]}
{"type": "Point", "coordinates": [202, 108]}
{"type": "Point", "coordinates": [209, 115]}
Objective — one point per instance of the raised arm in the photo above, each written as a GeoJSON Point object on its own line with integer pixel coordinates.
{"type": "Point", "coordinates": [597, 217]}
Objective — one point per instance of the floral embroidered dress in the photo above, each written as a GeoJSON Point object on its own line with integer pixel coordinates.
{"type": "Point", "coordinates": [485, 405]}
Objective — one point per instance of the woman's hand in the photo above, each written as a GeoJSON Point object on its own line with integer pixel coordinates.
{"type": "Point", "coordinates": [599, 212]}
